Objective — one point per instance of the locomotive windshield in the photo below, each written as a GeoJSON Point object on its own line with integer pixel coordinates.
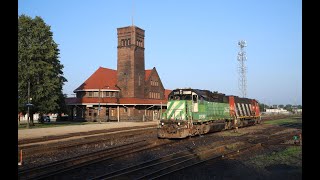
{"type": "Point", "coordinates": [180, 97]}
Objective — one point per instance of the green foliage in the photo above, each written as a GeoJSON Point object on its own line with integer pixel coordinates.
{"type": "Point", "coordinates": [38, 63]}
{"type": "Point", "coordinates": [262, 107]}
{"type": "Point", "coordinates": [289, 156]}
{"type": "Point", "coordinates": [283, 121]}
{"type": "Point", "coordinates": [288, 107]}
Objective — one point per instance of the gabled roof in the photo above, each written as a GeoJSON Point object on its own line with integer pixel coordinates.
{"type": "Point", "coordinates": [105, 78]}
{"type": "Point", "coordinates": [166, 93]}
{"type": "Point", "coordinates": [102, 78]}
{"type": "Point", "coordinates": [148, 73]}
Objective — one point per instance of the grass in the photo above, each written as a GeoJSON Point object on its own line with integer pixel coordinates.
{"type": "Point", "coordinates": [52, 124]}
{"type": "Point", "coordinates": [283, 121]}
{"type": "Point", "coordinates": [290, 156]}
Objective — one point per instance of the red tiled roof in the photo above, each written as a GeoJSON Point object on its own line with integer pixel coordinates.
{"type": "Point", "coordinates": [166, 93]}
{"type": "Point", "coordinates": [114, 101]}
{"type": "Point", "coordinates": [90, 100]}
{"type": "Point", "coordinates": [142, 101]}
{"type": "Point", "coordinates": [148, 72]}
{"type": "Point", "coordinates": [102, 78]}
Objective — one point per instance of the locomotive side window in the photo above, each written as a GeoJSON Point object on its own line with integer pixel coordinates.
{"type": "Point", "coordinates": [195, 98]}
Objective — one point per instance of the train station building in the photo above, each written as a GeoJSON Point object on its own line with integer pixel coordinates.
{"type": "Point", "coordinates": [130, 93]}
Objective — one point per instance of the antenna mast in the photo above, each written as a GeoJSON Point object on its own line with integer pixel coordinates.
{"type": "Point", "coordinates": [132, 12]}
{"type": "Point", "coordinates": [242, 68]}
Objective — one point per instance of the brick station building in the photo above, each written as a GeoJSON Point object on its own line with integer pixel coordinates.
{"type": "Point", "coordinates": [129, 93]}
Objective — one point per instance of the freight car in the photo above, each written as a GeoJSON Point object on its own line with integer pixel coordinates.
{"type": "Point", "coordinates": [193, 112]}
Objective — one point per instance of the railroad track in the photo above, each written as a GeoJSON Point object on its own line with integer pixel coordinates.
{"type": "Point", "coordinates": [46, 148]}
{"type": "Point", "coordinates": [61, 167]}
{"type": "Point", "coordinates": [54, 168]}
{"type": "Point", "coordinates": [156, 168]}
{"type": "Point", "coordinates": [88, 133]}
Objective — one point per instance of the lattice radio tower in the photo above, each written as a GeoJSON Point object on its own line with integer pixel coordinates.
{"type": "Point", "coordinates": [242, 68]}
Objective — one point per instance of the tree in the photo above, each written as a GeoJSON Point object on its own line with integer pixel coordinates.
{"type": "Point", "coordinates": [288, 107]}
{"type": "Point", "coordinates": [38, 64]}
{"type": "Point", "coordinates": [262, 107]}
{"type": "Point", "coordinates": [281, 106]}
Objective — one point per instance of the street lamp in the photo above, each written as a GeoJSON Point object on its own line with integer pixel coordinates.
{"type": "Point", "coordinates": [28, 104]}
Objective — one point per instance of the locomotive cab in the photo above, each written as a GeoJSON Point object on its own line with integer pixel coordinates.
{"type": "Point", "coordinates": [177, 119]}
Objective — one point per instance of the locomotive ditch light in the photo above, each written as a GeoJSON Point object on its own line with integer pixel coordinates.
{"type": "Point", "coordinates": [178, 123]}
{"type": "Point", "coordinates": [162, 123]}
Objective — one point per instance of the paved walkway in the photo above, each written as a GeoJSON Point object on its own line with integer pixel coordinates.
{"type": "Point", "coordinates": [54, 131]}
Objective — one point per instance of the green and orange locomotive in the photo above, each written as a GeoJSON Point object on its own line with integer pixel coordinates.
{"type": "Point", "coordinates": [193, 112]}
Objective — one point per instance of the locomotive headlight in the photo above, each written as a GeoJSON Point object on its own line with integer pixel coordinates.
{"type": "Point", "coordinates": [162, 124]}
{"type": "Point", "coordinates": [178, 123]}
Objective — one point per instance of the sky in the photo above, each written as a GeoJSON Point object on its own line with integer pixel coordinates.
{"type": "Point", "coordinates": [191, 43]}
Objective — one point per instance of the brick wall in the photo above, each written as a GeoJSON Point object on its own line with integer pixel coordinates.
{"type": "Point", "coordinates": [130, 65]}
{"type": "Point", "coordinates": [155, 86]}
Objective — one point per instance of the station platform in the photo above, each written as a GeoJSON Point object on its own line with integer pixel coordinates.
{"type": "Point", "coordinates": [38, 133]}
